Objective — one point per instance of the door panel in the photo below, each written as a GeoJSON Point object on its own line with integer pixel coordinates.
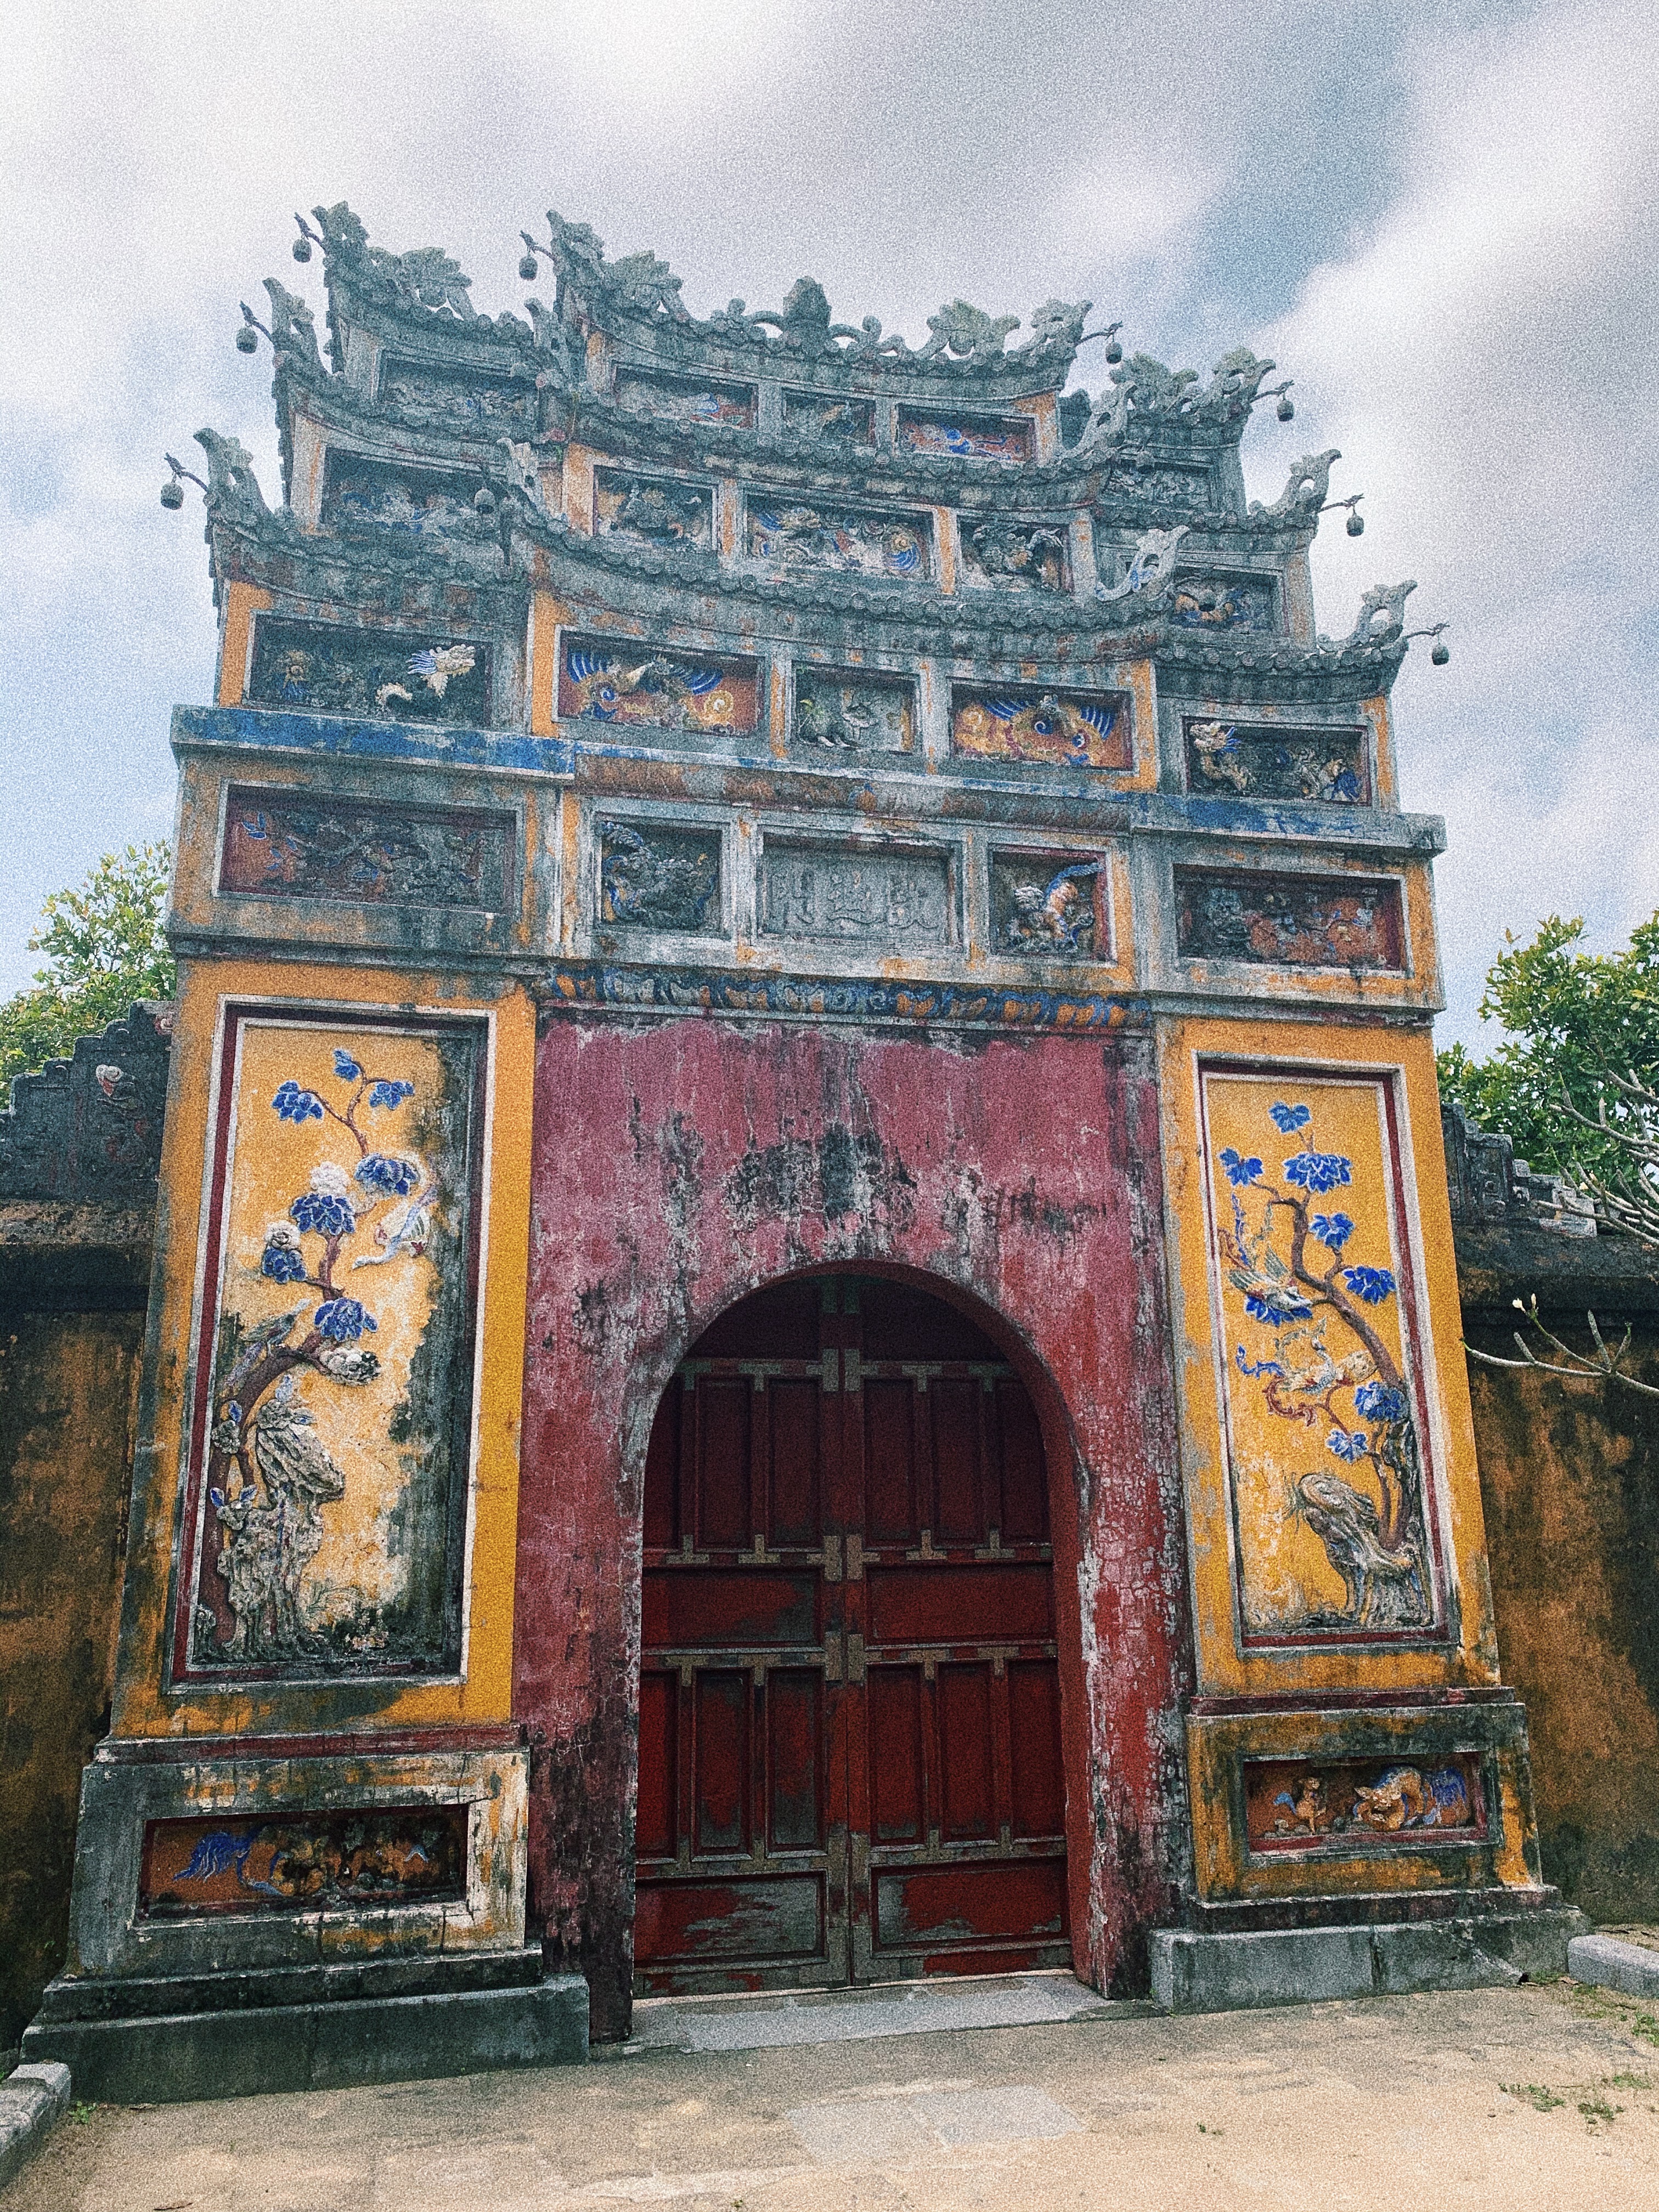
{"type": "Point", "coordinates": [849, 1710]}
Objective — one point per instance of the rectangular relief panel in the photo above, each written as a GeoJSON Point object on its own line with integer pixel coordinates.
{"type": "Point", "coordinates": [1051, 906]}
{"type": "Point", "coordinates": [1326, 1426]}
{"type": "Point", "coordinates": [895, 899]}
{"type": "Point", "coordinates": [653, 876]}
{"type": "Point", "coordinates": [829, 418]}
{"type": "Point", "coordinates": [1001, 556]}
{"type": "Point", "coordinates": [1164, 486]}
{"type": "Point", "coordinates": [652, 510]}
{"type": "Point", "coordinates": [395, 676]}
{"type": "Point", "coordinates": [471, 398]}
{"type": "Point", "coordinates": [331, 1414]}
{"type": "Point", "coordinates": [1301, 1806]}
{"type": "Point", "coordinates": [637, 686]}
{"type": "Point", "coordinates": [303, 845]}
{"type": "Point", "coordinates": [966, 437]}
{"type": "Point", "coordinates": [434, 505]}
{"type": "Point", "coordinates": [848, 710]}
{"type": "Point", "coordinates": [313, 1862]}
{"type": "Point", "coordinates": [1251, 760]}
{"type": "Point", "coordinates": [1234, 602]}
{"type": "Point", "coordinates": [1062, 729]}
{"type": "Point", "coordinates": [685, 399]}
{"type": "Point", "coordinates": [1289, 920]}
{"type": "Point", "coordinates": [823, 537]}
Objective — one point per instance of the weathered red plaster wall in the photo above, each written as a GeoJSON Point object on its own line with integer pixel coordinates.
{"type": "Point", "coordinates": [679, 1165]}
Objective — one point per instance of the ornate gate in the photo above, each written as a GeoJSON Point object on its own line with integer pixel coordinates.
{"type": "Point", "coordinates": [849, 1705]}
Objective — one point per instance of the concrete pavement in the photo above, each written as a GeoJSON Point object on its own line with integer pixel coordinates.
{"type": "Point", "coordinates": [1545, 2097]}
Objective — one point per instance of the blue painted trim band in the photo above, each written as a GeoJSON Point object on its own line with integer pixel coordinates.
{"type": "Point", "coordinates": [431, 745]}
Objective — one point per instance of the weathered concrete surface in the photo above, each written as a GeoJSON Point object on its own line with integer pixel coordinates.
{"type": "Point", "coordinates": [32, 2100]}
{"type": "Point", "coordinates": [1614, 1962]}
{"type": "Point", "coordinates": [1539, 2099]}
{"type": "Point", "coordinates": [1297, 1965]}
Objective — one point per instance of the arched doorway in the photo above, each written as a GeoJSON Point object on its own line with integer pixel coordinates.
{"type": "Point", "coordinates": [850, 1743]}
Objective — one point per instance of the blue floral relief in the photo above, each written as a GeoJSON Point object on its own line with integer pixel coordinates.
{"type": "Point", "coordinates": [1330, 1370]}
{"type": "Point", "coordinates": [270, 1470]}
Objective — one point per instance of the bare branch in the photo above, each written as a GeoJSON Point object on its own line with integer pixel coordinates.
{"type": "Point", "coordinates": [1601, 1366]}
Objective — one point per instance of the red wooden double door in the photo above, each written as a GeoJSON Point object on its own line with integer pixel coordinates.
{"type": "Point", "coordinates": [849, 1701]}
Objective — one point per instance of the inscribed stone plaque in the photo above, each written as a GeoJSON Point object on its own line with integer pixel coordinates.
{"type": "Point", "coordinates": [845, 710]}
{"type": "Point", "coordinates": [966, 437]}
{"type": "Point", "coordinates": [792, 534]}
{"type": "Point", "coordinates": [1251, 760]}
{"type": "Point", "coordinates": [648, 687]}
{"type": "Point", "coordinates": [1076, 729]}
{"type": "Point", "coordinates": [293, 845]}
{"type": "Point", "coordinates": [652, 878]}
{"type": "Point", "coordinates": [686, 399]}
{"type": "Point", "coordinates": [872, 894]}
{"type": "Point", "coordinates": [1288, 921]}
{"type": "Point", "coordinates": [399, 675]}
{"type": "Point", "coordinates": [1326, 1438]}
{"type": "Point", "coordinates": [652, 510]}
{"type": "Point", "coordinates": [331, 1421]}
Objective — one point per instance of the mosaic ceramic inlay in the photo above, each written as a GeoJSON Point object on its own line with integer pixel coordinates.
{"type": "Point", "coordinates": [652, 510]}
{"type": "Point", "coordinates": [1049, 906]}
{"type": "Point", "coordinates": [795, 534]}
{"type": "Point", "coordinates": [680, 399]}
{"type": "Point", "coordinates": [658, 879]}
{"type": "Point", "coordinates": [1295, 1805]}
{"type": "Point", "coordinates": [318, 1861]}
{"type": "Point", "coordinates": [966, 437]}
{"type": "Point", "coordinates": [843, 710]}
{"type": "Point", "coordinates": [381, 675]}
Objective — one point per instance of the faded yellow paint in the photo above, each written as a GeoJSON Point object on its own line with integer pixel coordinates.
{"type": "Point", "coordinates": [1315, 1050]}
{"type": "Point", "coordinates": [1381, 723]}
{"type": "Point", "coordinates": [570, 887]}
{"type": "Point", "coordinates": [1044, 411]}
{"type": "Point", "coordinates": [546, 614]}
{"type": "Point", "coordinates": [945, 545]}
{"type": "Point", "coordinates": [1137, 677]}
{"type": "Point", "coordinates": [242, 602]}
{"type": "Point", "coordinates": [580, 462]}
{"type": "Point", "coordinates": [777, 721]}
{"type": "Point", "coordinates": [143, 1704]}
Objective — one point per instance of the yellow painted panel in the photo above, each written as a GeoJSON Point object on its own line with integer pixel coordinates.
{"type": "Point", "coordinates": [242, 602]}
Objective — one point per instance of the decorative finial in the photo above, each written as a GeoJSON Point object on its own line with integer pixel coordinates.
{"type": "Point", "coordinates": [305, 240]}
{"type": "Point", "coordinates": [247, 339]}
{"type": "Point", "coordinates": [1355, 522]}
{"type": "Point", "coordinates": [1440, 654]}
{"type": "Point", "coordinates": [1114, 350]}
{"type": "Point", "coordinates": [172, 491]}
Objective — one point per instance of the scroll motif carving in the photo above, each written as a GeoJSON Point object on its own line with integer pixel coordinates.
{"type": "Point", "coordinates": [631, 684]}
{"type": "Point", "coordinates": [843, 710]}
{"type": "Point", "coordinates": [652, 510]}
{"type": "Point", "coordinates": [1264, 760]}
{"type": "Point", "coordinates": [1289, 920]}
{"type": "Point", "coordinates": [658, 879]}
{"type": "Point", "coordinates": [293, 845]}
{"type": "Point", "coordinates": [400, 677]}
{"type": "Point", "coordinates": [1078, 729]}
{"type": "Point", "coordinates": [896, 898]}
{"type": "Point", "coordinates": [794, 534]}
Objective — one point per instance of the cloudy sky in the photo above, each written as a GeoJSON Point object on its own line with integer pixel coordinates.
{"type": "Point", "coordinates": [1440, 219]}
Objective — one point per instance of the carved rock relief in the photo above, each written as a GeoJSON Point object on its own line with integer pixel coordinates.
{"type": "Point", "coordinates": [829, 418]}
{"type": "Point", "coordinates": [1295, 1805]}
{"type": "Point", "coordinates": [330, 1462]}
{"type": "Point", "coordinates": [895, 899]}
{"type": "Point", "coordinates": [795, 534]}
{"type": "Point", "coordinates": [1049, 906]}
{"type": "Point", "coordinates": [1230, 603]}
{"type": "Point", "coordinates": [658, 879]}
{"type": "Point", "coordinates": [645, 687]}
{"type": "Point", "coordinates": [470, 398]}
{"type": "Point", "coordinates": [652, 510]}
{"type": "Point", "coordinates": [284, 845]}
{"type": "Point", "coordinates": [1289, 920]}
{"type": "Point", "coordinates": [1076, 729]}
{"type": "Point", "coordinates": [1326, 1448]}
{"type": "Point", "coordinates": [305, 1862]}
{"type": "Point", "coordinates": [998, 556]}
{"type": "Point", "coordinates": [843, 710]}
{"type": "Point", "coordinates": [429, 504]}
{"type": "Point", "coordinates": [1264, 760]}
{"type": "Point", "coordinates": [685, 399]}
{"type": "Point", "coordinates": [392, 676]}
{"type": "Point", "coordinates": [966, 437]}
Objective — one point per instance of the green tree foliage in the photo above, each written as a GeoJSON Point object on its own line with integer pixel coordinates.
{"type": "Point", "coordinates": [1579, 1027]}
{"type": "Point", "coordinates": [104, 946]}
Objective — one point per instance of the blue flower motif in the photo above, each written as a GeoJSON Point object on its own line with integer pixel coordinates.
{"type": "Point", "coordinates": [388, 1175]}
{"type": "Point", "coordinates": [1276, 1304]}
{"type": "Point", "coordinates": [1331, 1229]}
{"type": "Point", "coordinates": [322, 1213]}
{"type": "Point", "coordinates": [1240, 1170]}
{"type": "Point", "coordinates": [391, 1090]}
{"type": "Point", "coordinates": [293, 1103]}
{"type": "Point", "coordinates": [1290, 1117]}
{"type": "Point", "coordinates": [1373, 1284]}
{"type": "Point", "coordinates": [345, 1067]}
{"type": "Point", "coordinates": [1348, 1443]}
{"type": "Point", "coordinates": [282, 1263]}
{"type": "Point", "coordinates": [1318, 1172]}
{"type": "Point", "coordinates": [342, 1319]}
{"type": "Point", "coordinates": [1380, 1401]}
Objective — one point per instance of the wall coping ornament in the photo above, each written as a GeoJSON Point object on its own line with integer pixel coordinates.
{"type": "Point", "coordinates": [90, 1127]}
{"type": "Point", "coordinates": [1488, 1186]}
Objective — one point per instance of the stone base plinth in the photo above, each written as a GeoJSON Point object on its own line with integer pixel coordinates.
{"type": "Point", "coordinates": [1225, 1971]}
{"type": "Point", "coordinates": [244, 2034]}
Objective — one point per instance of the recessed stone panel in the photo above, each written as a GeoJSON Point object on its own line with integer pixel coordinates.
{"type": "Point", "coordinates": [653, 510]}
{"type": "Point", "coordinates": [849, 711]}
{"type": "Point", "coordinates": [434, 506]}
{"type": "Point", "coordinates": [686, 399]}
{"type": "Point", "coordinates": [829, 418]}
{"type": "Point", "coordinates": [309, 1861]}
{"type": "Point", "coordinates": [1022, 722]}
{"type": "Point", "coordinates": [891, 897]}
{"type": "Point", "coordinates": [1288, 920]}
{"type": "Point", "coordinates": [660, 877]}
{"type": "Point", "coordinates": [966, 437]}
{"type": "Point", "coordinates": [825, 536]}
{"type": "Point", "coordinates": [1231, 603]}
{"type": "Point", "coordinates": [470, 399]}
{"type": "Point", "coordinates": [1050, 906]}
{"type": "Point", "coordinates": [301, 845]}
{"type": "Point", "coordinates": [1001, 555]}
{"type": "Point", "coordinates": [638, 686]}
{"type": "Point", "coordinates": [1297, 1806]}
{"type": "Point", "coordinates": [1262, 760]}
{"type": "Point", "coordinates": [396, 675]}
